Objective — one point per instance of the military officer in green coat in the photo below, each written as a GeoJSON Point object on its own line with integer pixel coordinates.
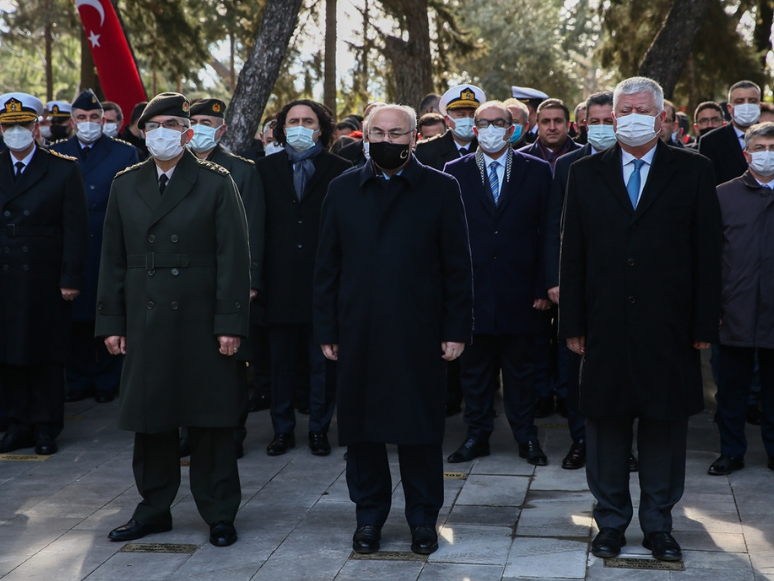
{"type": "Point", "coordinates": [173, 294]}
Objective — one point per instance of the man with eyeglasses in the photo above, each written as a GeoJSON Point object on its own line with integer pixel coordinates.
{"type": "Point", "coordinates": [393, 304]}
{"type": "Point", "coordinates": [173, 297]}
{"type": "Point", "coordinates": [44, 236]}
{"type": "Point", "coordinates": [708, 116]}
{"type": "Point", "coordinates": [505, 195]}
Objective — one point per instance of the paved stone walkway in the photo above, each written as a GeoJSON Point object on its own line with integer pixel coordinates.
{"type": "Point", "coordinates": [503, 519]}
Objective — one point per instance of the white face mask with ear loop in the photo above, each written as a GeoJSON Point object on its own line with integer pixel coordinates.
{"type": "Point", "coordinates": [164, 144]}
{"type": "Point", "coordinates": [762, 162]}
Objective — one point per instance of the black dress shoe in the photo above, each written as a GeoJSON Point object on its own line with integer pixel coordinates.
{"type": "Point", "coordinates": [223, 534]}
{"type": "Point", "coordinates": [106, 397]}
{"type": "Point", "coordinates": [663, 545]}
{"type": "Point", "coordinates": [470, 449]}
{"type": "Point", "coordinates": [366, 539]}
{"type": "Point", "coordinates": [725, 465]}
{"type": "Point", "coordinates": [259, 401]}
{"type": "Point", "coordinates": [754, 415]}
{"type": "Point", "coordinates": [45, 445]}
{"type": "Point", "coordinates": [281, 444]}
{"type": "Point", "coordinates": [561, 406]}
{"type": "Point", "coordinates": [318, 443]}
{"type": "Point", "coordinates": [533, 453]}
{"type": "Point", "coordinates": [424, 539]}
{"type": "Point", "coordinates": [76, 395]}
{"type": "Point", "coordinates": [544, 406]}
{"type": "Point", "coordinates": [608, 542]}
{"type": "Point", "coordinates": [185, 447]}
{"type": "Point", "coordinates": [453, 407]}
{"type": "Point", "coordinates": [576, 457]}
{"type": "Point", "coordinates": [135, 529]}
{"type": "Point", "coordinates": [11, 442]}
{"type": "Point", "coordinates": [634, 466]}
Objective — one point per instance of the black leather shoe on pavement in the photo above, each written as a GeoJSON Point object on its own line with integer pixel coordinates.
{"type": "Point", "coordinates": [259, 402]}
{"type": "Point", "coordinates": [281, 444]}
{"type": "Point", "coordinates": [318, 442]}
{"type": "Point", "coordinates": [424, 539]}
{"type": "Point", "coordinates": [634, 466]}
{"type": "Point", "coordinates": [725, 465]}
{"type": "Point", "coordinates": [223, 534]}
{"type": "Point", "coordinates": [533, 453]}
{"type": "Point", "coordinates": [470, 449]}
{"type": "Point", "coordinates": [576, 457]}
{"type": "Point", "coordinates": [544, 406]}
{"type": "Point", "coordinates": [75, 395]}
{"type": "Point", "coordinates": [754, 415]}
{"type": "Point", "coordinates": [12, 442]}
{"type": "Point", "coordinates": [135, 529]}
{"type": "Point", "coordinates": [607, 544]}
{"type": "Point", "coordinates": [663, 545]}
{"type": "Point", "coordinates": [45, 445]}
{"type": "Point", "coordinates": [185, 447]}
{"type": "Point", "coordinates": [366, 539]}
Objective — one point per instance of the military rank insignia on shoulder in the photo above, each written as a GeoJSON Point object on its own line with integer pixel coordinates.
{"type": "Point", "coordinates": [214, 167]}
{"type": "Point", "coordinates": [62, 155]}
{"type": "Point", "coordinates": [240, 158]}
{"type": "Point", "coordinates": [430, 139]}
{"type": "Point", "coordinates": [121, 141]}
{"type": "Point", "coordinates": [58, 141]}
{"type": "Point", "coordinates": [130, 168]}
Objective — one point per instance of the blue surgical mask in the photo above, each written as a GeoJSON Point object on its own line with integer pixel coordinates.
{"type": "Point", "coordinates": [300, 138]}
{"type": "Point", "coordinates": [203, 138]}
{"type": "Point", "coordinates": [516, 133]}
{"type": "Point", "coordinates": [463, 128]}
{"type": "Point", "coordinates": [601, 137]}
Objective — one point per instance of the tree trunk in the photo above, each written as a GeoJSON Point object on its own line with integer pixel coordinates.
{"type": "Point", "coordinates": [260, 71]}
{"type": "Point", "coordinates": [762, 32]}
{"type": "Point", "coordinates": [49, 41]}
{"type": "Point", "coordinates": [411, 60]}
{"type": "Point", "coordinates": [89, 78]}
{"type": "Point", "coordinates": [664, 60]}
{"type": "Point", "coordinates": [329, 86]}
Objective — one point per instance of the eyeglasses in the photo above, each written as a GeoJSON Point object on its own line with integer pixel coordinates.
{"type": "Point", "coordinates": [377, 135]}
{"type": "Point", "coordinates": [709, 120]}
{"type": "Point", "coordinates": [484, 123]}
{"type": "Point", "coordinates": [168, 124]}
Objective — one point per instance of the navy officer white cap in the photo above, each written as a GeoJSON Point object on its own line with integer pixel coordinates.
{"type": "Point", "coordinates": [461, 96]}
{"type": "Point", "coordinates": [19, 108]}
{"type": "Point", "coordinates": [527, 93]}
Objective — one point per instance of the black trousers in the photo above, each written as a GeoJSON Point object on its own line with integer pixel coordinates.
{"type": "Point", "coordinates": [33, 398]}
{"type": "Point", "coordinates": [661, 446]}
{"type": "Point", "coordinates": [370, 483]}
{"type": "Point", "coordinates": [514, 353]}
{"type": "Point", "coordinates": [572, 363]}
{"type": "Point", "coordinates": [214, 474]}
{"type": "Point", "coordinates": [90, 368]}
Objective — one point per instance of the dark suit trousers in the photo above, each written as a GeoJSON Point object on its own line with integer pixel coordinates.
{"type": "Point", "coordinates": [736, 367]}
{"type": "Point", "coordinates": [661, 447]}
{"type": "Point", "coordinates": [286, 342]}
{"type": "Point", "coordinates": [575, 420]}
{"type": "Point", "coordinates": [33, 398]}
{"type": "Point", "coordinates": [370, 483]}
{"type": "Point", "coordinates": [479, 360]}
{"type": "Point", "coordinates": [90, 368]}
{"type": "Point", "coordinates": [214, 474]}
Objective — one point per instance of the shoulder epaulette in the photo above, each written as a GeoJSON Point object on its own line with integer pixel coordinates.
{"type": "Point", "coordinates": [240, 158]}
{"type": "Point", "coordinates": [430, 139]}
{"type": "Point", "coordinates": [214, 167]}
{"type": "Point", "coordinates": [58, 141]}
{"type": "Point", "coordinates": [121, 141]}
{"type": "Point", "coordinates": [62, 155]}
{"type": "Point", "coordinates": [130, 168]}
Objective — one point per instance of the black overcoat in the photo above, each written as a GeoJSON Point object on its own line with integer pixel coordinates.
{"type": "Point", "coordinates": [392, 281]}
{"type": "Point", "coordinates": [437, 151]}
{"type": "Point", "coordinates": [175, 274]}
{"type": "Point", "coordinates": [724, 149]}
{"type": "Point", "coordinates": [44, 237]}
{"type": "Point", "coordinates": [642, 285]}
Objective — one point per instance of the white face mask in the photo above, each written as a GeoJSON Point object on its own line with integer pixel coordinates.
{"type": "Point", "coordinates": [747, 114]}
{"type": "Point", "coordinates": [762, 162]}
{"type": "Point", "coordinates": [203, 138]}
{"type": "Point", "coordinates": [601, 137]}
{"type": "Point", "coordinates": [463, 128]}
{"type": "Point", "coordinates": [18, 138]}
{"type": "Point", "coordinates": [300, 138]}
{"type": "Point", "coordinates": [636, 129]}
{"type": "Point", "coordinates": [88, 131]}
{"type": "Point", "coordinates": [492, 139]}
{"type": "Point", "coordinates": [110, 129]}
{"type": "Point", "coordinates": [45, 131]}
{"type": "Point", "coordinates": [273, 147]}
{"type": "Point", "coordinates": [164, 144]}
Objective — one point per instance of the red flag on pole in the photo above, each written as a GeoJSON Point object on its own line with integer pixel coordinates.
{"type": "Point", "coordinates": [115, 64]}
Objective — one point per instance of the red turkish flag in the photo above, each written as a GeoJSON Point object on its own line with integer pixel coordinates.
{"type": "Point", "coordinates": [115, 64]}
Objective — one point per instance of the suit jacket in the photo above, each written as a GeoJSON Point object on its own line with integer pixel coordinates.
{"type": "Point", "coordinates": [724, 149]}
{"type": "Point", "coordinates": [535, 150]}
{"type": "Point", "coordinates": [438, 151]}
{"type": "Point", "coordinates": [641, 285]}
{"type": "Point", "coordinates": [505, 241]}
{"type": "Point", "coordinates": [292, 229]}
{"type": "Point", "coordinates": [354, 153]}
{"type": "Point", "coordinates": [44, 236]}
{"type": "Point", "coordinates": [106, 158]}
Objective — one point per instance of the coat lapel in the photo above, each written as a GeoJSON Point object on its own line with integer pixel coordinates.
{"type": "Point", "coordinates": [509, 189]}
{"type": "Point", "coordinates": [148, 184]}
{"type": "Point", "coordinates": [99, 151]}
{"type": "Point", "coordinates": [320, 169]}
{"type": "Point", "coordinates": [32, 174]}
{"type": "Point", "coordinates": [184, 178]}
{"type": "Point", "coordinates": [284, 169]}
{"type": "Point", "coordinates": [612, 172]}
{"type": "Point", "coordinates": [659, 176]}
{"type": "Point", "coordinates": [6, 176]}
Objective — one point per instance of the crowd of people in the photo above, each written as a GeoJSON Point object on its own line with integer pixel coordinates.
{"type": "Point", "coordinates": [395, 268]}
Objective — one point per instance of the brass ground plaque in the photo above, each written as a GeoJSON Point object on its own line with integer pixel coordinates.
{"type": "Point", "coordinates": [455, 475]}
{"type": "Point", "coordinates": [23, 458]}
{"type": "Point", "coordinates": [552, 426]}
{"type": "Point", "coordinates": [619, 563]}
{"type": "Point", "coordinates": [178, 549]}
{"type": "Point", "coordinates": [73, 419]}
{"type": "Point", "coordinates": [388, 556]}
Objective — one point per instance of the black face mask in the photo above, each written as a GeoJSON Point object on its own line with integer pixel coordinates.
{"type": "Point", "coordinates": [59, 131]}
{"type": "Point", "coordinates": [388, 155]}
{"type": "Point", "coordinates": [703, 132]}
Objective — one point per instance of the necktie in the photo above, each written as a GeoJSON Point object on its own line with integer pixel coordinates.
{"type": "Point", "coordinates": [463, 151]}
{"type": "Point", "coordinates": [633, 187]}
{"type": "Point", "coordinates": [85, 152]}
{"type": "Point", "coordinates": [494, 182]}
{"type": "Point", "coordinates": [19, 167]}
{"type": "Point", "coordinates": [163, 179]}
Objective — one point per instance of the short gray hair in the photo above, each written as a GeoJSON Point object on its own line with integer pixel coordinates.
{"type": "Point", "coordinates": [636, 85]}
{"type": "Point", "coordinates": [743, 85]}
{"type": "Point", "coordinates": [759, 130]}
{"type": "Point", "coordinates": [520, 106]}
{"type": "Point", "coordinates": [408, 112]}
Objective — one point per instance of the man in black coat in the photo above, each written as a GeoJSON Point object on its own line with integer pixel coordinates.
{"type": "Point", "coordinates": [393, 303]}
{"type": "Point", "coordinates": [44, 230]}
{"type": "Point", "coordinates": [639, 296]}
{"type": "Point", "coordinates": [724, 145]}
{"type": "Point", "coordinates": [296, 181]}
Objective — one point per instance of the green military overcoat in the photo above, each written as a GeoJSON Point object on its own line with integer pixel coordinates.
{"type": "Point", "coordinates": [175, 274]}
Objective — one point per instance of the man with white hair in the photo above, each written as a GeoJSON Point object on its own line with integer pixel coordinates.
{"type": "Point", "coordinates": [392, 304]}
{"type": "Point", "coordinates": [639, 296]}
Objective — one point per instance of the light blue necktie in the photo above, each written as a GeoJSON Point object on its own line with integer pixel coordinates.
{"type": "Point", "coordinates": [633, 187]}
{"type": "Point", "coordinates": [494, 183]}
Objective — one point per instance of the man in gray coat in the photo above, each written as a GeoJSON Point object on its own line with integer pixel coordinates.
{"type": "Point", "coordinates": [747, 315]}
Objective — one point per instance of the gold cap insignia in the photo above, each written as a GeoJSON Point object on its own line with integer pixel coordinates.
{"type": "Point", "coordinates": [467, 95]}
{"type": "Point", "coordinates": [216, 107]}
{"type": "Point", "coordinates": [13, 106]}
{"type": "Point", "coordinates": [55, 109]}
{"type": "Point", "coordinates": [186, 106]}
